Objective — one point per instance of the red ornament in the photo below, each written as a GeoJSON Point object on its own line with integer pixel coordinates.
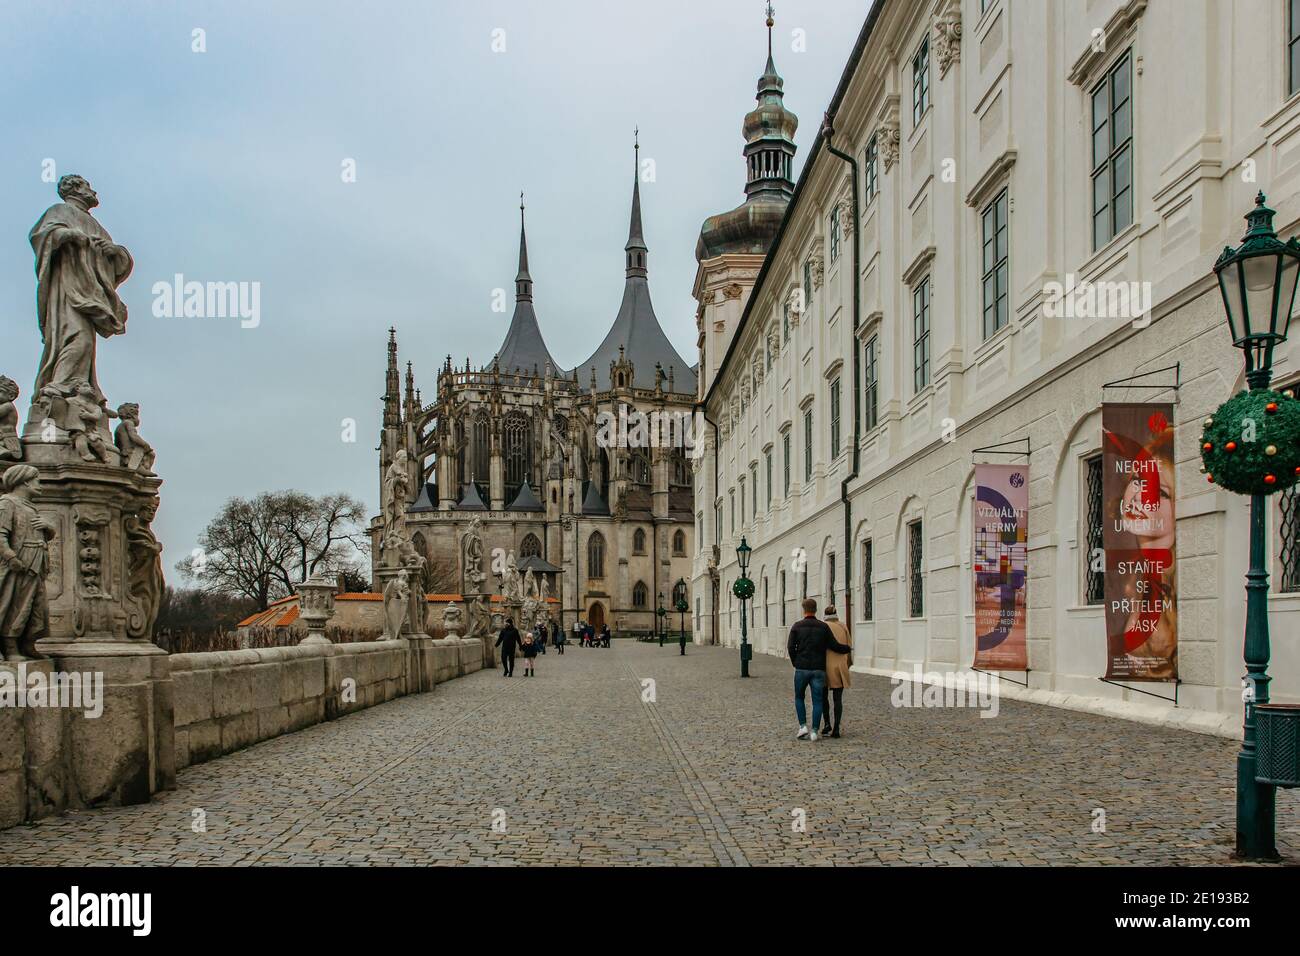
{"type": "Point", "coordinates": [1208, 446]}
{"type": "Point", "coordinates": [1210, 478]}
{"type": "Point", "coordinates": [1231, 446]}
{"type": "Point", "coordinates": [1271, 407]}
{"type": "Point", "coordinates": [1270, 479]}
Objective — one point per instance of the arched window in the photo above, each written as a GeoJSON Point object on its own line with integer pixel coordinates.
{"type": "Point", "coordinates": [530, 547]}
{"type": "Point", "coordinates": [518, 454]}
{"type": "Point", "coordinates": [462, 456]}
{"type": "Point", "coordinates": [602, 475]}
{"type": "Point", "coordinates": [679, 542]}
{"type": "Point", "coordinates": [640, 468]}
{"type": "Point", "coordinates": [640, 595]}
{"type": "Point", "coordinates": [638, 541]}
{"type": "Point", "coordinates": [596, 555]}
{"type": "Point", "coordinates": [681, 468]}
{"type": "Point", "coordinates": [482, 450]}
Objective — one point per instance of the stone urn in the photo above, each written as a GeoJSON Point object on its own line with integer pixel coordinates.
{"type": "Point", "coordinates": [316, 606]}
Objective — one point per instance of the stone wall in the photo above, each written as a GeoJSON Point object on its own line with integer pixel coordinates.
{"type": "Point", "coordinates": [228, 700]}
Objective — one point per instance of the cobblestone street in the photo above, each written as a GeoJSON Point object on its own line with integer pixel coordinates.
{"type": "Point", "coordinates": [711, 773]}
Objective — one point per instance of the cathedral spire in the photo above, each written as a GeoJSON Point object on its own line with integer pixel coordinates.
{"type": "Point", "coordinates": [523, 281]}
{"type": "Point", "coordinates": [769, 134]}
{"type": "Point", "coordinates": [409, 406]}
{"type": "Point", "coordinates": [392, 384]}
{"type": "Point", "coordinates": [636, 248]}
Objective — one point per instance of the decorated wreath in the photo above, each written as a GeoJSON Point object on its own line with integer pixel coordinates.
{"type": "Point", "coordinates": [743, 588]}
{"type": "Point", "coordinates": [1251, 444]}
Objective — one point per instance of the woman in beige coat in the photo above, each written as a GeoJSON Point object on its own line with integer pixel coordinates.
{"type": "Point", "coordinates": [837, 673]}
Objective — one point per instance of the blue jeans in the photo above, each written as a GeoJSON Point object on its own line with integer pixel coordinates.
{"type": "Point", "coordinates": [802, 681]}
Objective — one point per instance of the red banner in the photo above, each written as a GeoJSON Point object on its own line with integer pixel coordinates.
{"type": "Point", "coordinates": [1001, 565]}
{"type": "Point", "coordinates": [1138, 536]}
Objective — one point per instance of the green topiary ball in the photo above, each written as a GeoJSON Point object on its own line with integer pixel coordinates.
{"type": "Point", "coordinates": [1251, 444]}
{"type": "Point", "coordinates": [743, 588]}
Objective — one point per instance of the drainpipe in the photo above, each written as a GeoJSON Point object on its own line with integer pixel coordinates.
{"type": "Point", "coordinates": [828, 130]}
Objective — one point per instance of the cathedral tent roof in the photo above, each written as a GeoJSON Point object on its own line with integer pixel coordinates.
{"type": "Point", "coordinates": [427, 499]}
{"type": "Point", "coordinates": [470, 500]}
{"type": "Point", "coordinates": [524, 347]}
{"type": "Point", "coordinates": [525, 500]}
{"type": "Point", "coordinates": [534, 563]}
{"type": "Point", "coordinates": [593, 503]}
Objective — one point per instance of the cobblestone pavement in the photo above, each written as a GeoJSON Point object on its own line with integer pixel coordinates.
{"type": "Point", "coordinates": [710, 773]}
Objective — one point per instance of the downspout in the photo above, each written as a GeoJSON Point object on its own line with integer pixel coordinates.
{"type": "Point", "coordinates": [714, 616]}
{"type": "Point", "coordinates": [828, 130]}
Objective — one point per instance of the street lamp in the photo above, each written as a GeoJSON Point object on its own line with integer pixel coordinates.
{"type": "Point", "coordinates": [661, 612]}
{"type": "Point", "coordinates": [1258, 283]}
{"type": "Point", "coordinates": [743, 588]}
{"type": "Point", "coordinates": [682, 608]}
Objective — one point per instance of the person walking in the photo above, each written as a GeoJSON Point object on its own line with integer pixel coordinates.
{"type": "Point", "coordinates": [605, 635]}
{"type": "Point", "coordinates": [577, 631]}
{"type": "Point", "coordinates": [837, 672]}
{"type": "Point", "coordinates": [508, 640]}
{"type": "Point", "coordinates": [539, 636]}
{"type": "Point", "coordinates": [807, 646]}
{"type": "Point", "coordinates": [557, 634]}
{"type": "Point", "coordinates": [530, 655]}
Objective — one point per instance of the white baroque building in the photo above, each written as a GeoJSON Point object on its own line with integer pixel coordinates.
{"type": "Point", "coordinates": [897, 318]}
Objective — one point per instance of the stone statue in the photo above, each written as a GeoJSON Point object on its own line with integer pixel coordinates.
{"type": "Point", "coordinates": [128, 441]}
{"type": "Point", "coordinates": [511, 584]}
{"type": "Point", "coordinates": [397, 595]}
{"type": "Point", "coordinates": [473, 550]}
{"type": "Point", "coordinates": [11, 447]}
{"type": "Point", "coordinates": [397, 483]}
{"type": "Point", "coordinates": [144, 571]}
{"type": "Point", "coordinates": [414, 564]}
{"type": "Point", "coordinates": [86, 414]}
{"type": "Point", "coordinates": [78, 270]}
{"type": "Point", "coordinates": [24, 562]}
{"type": "Point", "coordinates": [556, 468]}
{"type": "Point", "coordinates": [479, 619]}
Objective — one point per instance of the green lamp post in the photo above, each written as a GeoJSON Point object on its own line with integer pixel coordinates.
{"type": "Point", "coordinates": [660, 613]}
{"type": "Point", "coordinates": [743, 588]}
{"type": "Point", "coordinates": [1258, 283]}
{"type": "Point", "coordinates": [682, 608]}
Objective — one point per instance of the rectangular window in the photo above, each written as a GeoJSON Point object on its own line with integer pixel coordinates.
{"type": "Point", "coordinates": [753, 484]}
{"type": "Point", "coordinates": [915, 582]}
{"type": "Point", "coordinates": [993, 225]}
{"type": "Point", "coordinates": [835, 419]}
{"type": "Point", "coordinates": [742, 502]}
{"type": "Point", "coordinates": [807, 445]}
{"type": "Point", "coordinates": [868, 591]}
{"type": "Point", "coordinates": [785, 460]}
{"type": "Point", "coordinates": [871, 379]}
{"type": "Point", "coordinates": [830, 579]}
{"type": "Point", "coordinates": [1112, 153]}
{"type": "Point", "coordinates": [718, 509]}
{"type": "Point", "coordinates": [732, 497]}
{"type": "Point", "coordinates": [920, 82]}
{"type": "Point", "coordinates": [1094, 577]}
{"type": "Point", "coordinates": [1289, 528]}
{"type": "Point", "coordinates": [921, 335]}
{"type": "Point", "coordinates": [833, 226]}
{"type": "Point", "coordinates": [785, 323]}
{"type": "Point", "coordinates": [767, 464]}
{"type": "Point", "coordinates": [1293, 47]}
{"type": "Point", "coordinates": [783, 599]}
{"type": "Point", "coordinates": [807, 286]}
{"type": "Point", "coordinates": [870, 167]}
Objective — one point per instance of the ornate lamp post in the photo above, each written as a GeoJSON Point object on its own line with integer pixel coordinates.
{"type": "Point", "coordinates": [660, 614]}
{"type": "Point", "coordinates": [1258, 283]}
{"type": "Point", "coordinates": [743, 588]}
{"type": "Point", "coordinates": [682, 608]}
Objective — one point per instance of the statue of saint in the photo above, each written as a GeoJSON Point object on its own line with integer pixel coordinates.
{"type": "Point", "coordinates": [78, 270]}
{"type": "Point", "coordinates": [397, 595]}
{"type": "Point", "coordinates": [128, 441]}
{"type": "Point", "coordinates": [11, 447]}
{"type": "Point", "coordinates": [474, 576]}
{"type": "Point", "coordinates": [397, 483]}
{"type": "Point", "coordinates": [144, 571]}
{"type": "Point", "coordinates": [24, 562]}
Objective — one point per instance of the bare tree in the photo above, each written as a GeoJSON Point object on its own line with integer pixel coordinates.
{"type": "Point", "coordinates": [262, 548]}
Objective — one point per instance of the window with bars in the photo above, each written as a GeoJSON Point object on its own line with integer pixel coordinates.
{"type": "Point", "coordinates": [921, 335]}
{"type": "Point", "coordinates": [1094, 580]}
{"type": "Point", "coordinates": [1289, 539]}
{"type": "Point", "coordinates": [783, 599]}
{"type": "Point", "coordinates": [993, 223]}
{"type": "Point", "coordinates": [731, 497]}
{"type": "Point", "coordinates": [785, 323]}
{"type": "Point", "coordinates": [753, 484]}
{"type": "Point", "coordinates": [921, 82]}
{"type": "Point", "coordinates": [767, 464]}
{"type": "Point", "coordinates": [835, 418]}
{"type": "Point", "coordinates": [871, 389]}
{"type": "Point", "coordinates": [915, 582]}
{"type": "Point", "coordinates": [785, 463]}
{"type": "Point", "coordinates": [830, 579]}
{"type": "Point", "coordinates": [870, 167]}
{"type": "Point", "coordinates": [1293, 47]}
{"type": "Point", "coordinates": [807, 445]}
{"type": "Point", "coordinates": [1112, 153]}
{"type": "Point", "coordinates": [807, 286]}
{"type": "Point", "coordinates": [742, 502]}
{"type": "Point", "coordinates": [868, 590]}
{"type": "Point", "coordinates": [833, 226]}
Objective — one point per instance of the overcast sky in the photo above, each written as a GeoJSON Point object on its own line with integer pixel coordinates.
{"type": "Point", "coordinates": [226, 165]}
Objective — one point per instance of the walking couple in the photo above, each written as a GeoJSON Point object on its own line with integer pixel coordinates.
{"type": "Point", "coordinates": [821, 652]}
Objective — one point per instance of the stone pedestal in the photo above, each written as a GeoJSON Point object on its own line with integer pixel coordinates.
{"type": "Point", "coordinates": [316, 606]}
{"type": "Point", "coordinates": [103, 586]}
{"type": "Point", "coordinates": [418, 602]}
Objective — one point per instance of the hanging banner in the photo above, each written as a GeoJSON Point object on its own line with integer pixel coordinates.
{"type": "Point", "coordinates": [1138, 536]}
{"type": "Point", "coordinates": [1001, 563]}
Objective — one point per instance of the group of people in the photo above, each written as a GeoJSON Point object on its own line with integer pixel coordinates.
{"type": "Point", "coordinates": [822, 653]}
{"type": "Point", "coordinates": [588, 636]}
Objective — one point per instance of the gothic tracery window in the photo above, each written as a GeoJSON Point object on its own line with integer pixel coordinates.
{"type": "Point", "coordinates": [530, 547]}
{"type": "Point", "coordinates": [518, 457]}
{"type": "Point", "coordinates": [596, 555]}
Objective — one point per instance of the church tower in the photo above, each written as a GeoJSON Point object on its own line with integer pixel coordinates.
{"type": "Point", "coordinates": [732, 245]}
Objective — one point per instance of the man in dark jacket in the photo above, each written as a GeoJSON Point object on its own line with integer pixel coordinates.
{"type": "Point", "coordinates": [508, 640]}
{"type": "Point", "coordinates": [807, 645]}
